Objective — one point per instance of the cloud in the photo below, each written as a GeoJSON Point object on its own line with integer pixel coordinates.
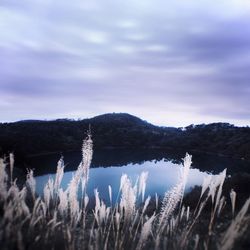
{"type": "Point", "coordinates": [171, 62]}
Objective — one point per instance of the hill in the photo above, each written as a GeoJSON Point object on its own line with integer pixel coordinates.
{"type": "Point", "coordinates": [121, 130]}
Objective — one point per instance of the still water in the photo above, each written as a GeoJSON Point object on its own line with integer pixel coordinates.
{"type": "Point", "coordinates": [161, 177]}
{"type": "Point", "coordinates": [109, 165]}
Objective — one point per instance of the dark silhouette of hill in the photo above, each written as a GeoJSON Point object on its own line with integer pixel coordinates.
{"type": "Point", "coordinates": [121, 131]}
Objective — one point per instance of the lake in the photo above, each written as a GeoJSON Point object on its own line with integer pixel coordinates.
{"type": "Point", "coordinates": [108, 166]}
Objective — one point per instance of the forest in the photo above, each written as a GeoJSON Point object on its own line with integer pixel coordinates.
{"type": "Point", "coordinates": [120, 130]}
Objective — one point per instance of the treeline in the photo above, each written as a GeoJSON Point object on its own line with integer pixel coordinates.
{"type": "Point", "coordinates": [27, 138]}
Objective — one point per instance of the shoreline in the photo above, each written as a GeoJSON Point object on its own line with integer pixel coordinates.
{"type": "Point", "coordinates": [142, 148]}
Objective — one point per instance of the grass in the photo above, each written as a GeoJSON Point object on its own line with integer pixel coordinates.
{"type": "Point", "coordinates": [59, 220]}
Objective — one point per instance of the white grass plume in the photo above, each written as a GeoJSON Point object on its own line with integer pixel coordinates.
{"type": "Point", "coordinates": [31, 182]}
{"type": "Point", "coordinates": [48, 192]}
{"type": "Point", "coordinates": [101, 212]}
{"type": "Point", "coordinates": [11, 166]}
{"type": "Point", "coordinates": [86, 201]}
{"type": "Point", "coordinates": [23, 208]}
{"type": "Point", "coordinates": [110, 194]}
{"type": "Point", "coordinates": [63, 201]}
{"type": "Point", "coordinates": [233, 200]}
{"type": "Point", "coordinates": [128, 197]}
{"type": "Point", "coordinates": [182, 212]}
{"type": "Point", "coordinates": [59, 174]}
{"type": "Point", "coordinates": [17, 199]}
{"type": "Point", "coordinates": [175, 195]}
{"type": "Point", "coordinates": [206, 183]}
{"type": "Point", "coordinates": [72, 192]}
{"type": "Point", "coordinates": [3, 180]}
{"type": "Point", "coordinates": [215, 186]}
{"type": "Point", "coordinates": [221, 179]}
{"type": "Point", "coordinates": [156, 201]}
{"type": "Point", "coordinates": [87, 154]}
{"type": "Point", "coordinates": [146, 204]}
{"type": "Point", "coordinates": [142, 184]}
{"type": "Point", "coordinates": [216, 189]}
{"type": "Point", "coordinates": [222, 204]}
{"type": "Point", "coordinates": [237, 228]}
{"type": "Point", "coordinates": [81, 174]}
{"type": "Point", "coordinates": [145, 232]}
{"type": "Point", "coordinates": [188, 213]}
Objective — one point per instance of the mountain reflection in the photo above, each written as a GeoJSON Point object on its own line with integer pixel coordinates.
{"type": "Point", "coordinates": [121, 157]}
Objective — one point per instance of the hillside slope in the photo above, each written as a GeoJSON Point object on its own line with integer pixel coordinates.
{"type": "Point", "coordinates": [121, 130]}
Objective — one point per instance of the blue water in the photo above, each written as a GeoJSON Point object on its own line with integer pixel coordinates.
{"type": "Point", "coordinates": [162, 175]}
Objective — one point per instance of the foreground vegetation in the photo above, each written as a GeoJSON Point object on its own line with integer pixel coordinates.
{"type": "Point", "coordinates": [63, 219]}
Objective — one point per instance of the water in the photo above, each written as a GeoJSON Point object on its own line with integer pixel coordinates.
{"type": "Point", "coordinates": [161, 177]}
{"type": "Point", "coordinates": [109, 165]}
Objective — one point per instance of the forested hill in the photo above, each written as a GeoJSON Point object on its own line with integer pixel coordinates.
{"type": "Point", "coordinates": [121, 130]}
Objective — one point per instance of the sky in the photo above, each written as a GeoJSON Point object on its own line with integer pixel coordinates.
{"type": "Point", "coordinates": [170, 62]}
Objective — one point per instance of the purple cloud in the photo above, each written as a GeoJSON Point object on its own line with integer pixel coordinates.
{"type": "Point", "coordinates": [169, 62]}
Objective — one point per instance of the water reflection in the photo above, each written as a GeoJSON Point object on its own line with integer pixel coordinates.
{"type": "Point", "coordinates": [162, 176]}
{"type": "Point", "coordinates": [121, 157]}
{"type": "Point", "coordinates": [108, 166]}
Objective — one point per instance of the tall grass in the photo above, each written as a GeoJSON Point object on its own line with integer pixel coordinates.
{"type": "Point", "coordinates": [60, 220]}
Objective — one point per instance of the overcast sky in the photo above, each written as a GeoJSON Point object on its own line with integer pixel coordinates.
{"type": "Point", "coordinates": [169, 62]}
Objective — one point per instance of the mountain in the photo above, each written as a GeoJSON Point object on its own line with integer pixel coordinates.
{"type": "Point", "coordinates": [120, 119]}
{"type": "Point", "coordinates": [117, 130]}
